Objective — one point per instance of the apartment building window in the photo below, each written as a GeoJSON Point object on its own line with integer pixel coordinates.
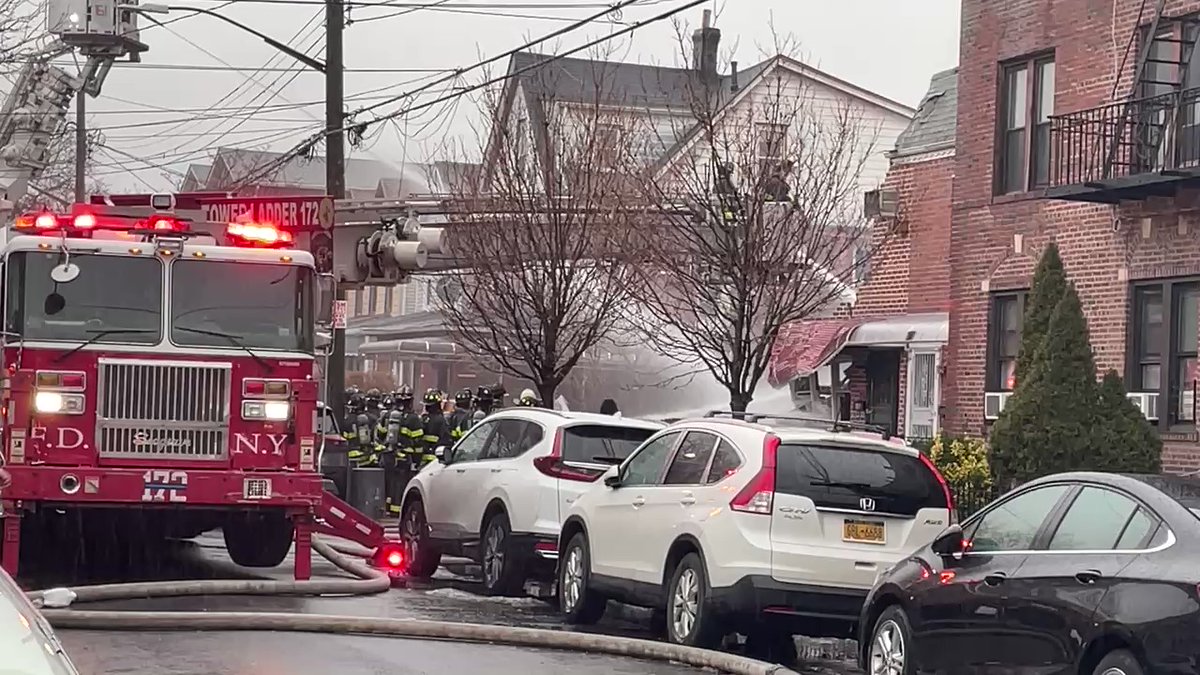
{"type": "Point", "coordinates": [1026, 104]}
{"type": "Point", "coordinates": [1006, 315]}
{"type": "Point", "coordinates": [1163, 346]}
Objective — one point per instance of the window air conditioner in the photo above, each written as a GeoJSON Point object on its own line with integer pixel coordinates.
{"type": "Point", "coordinates": [993, 403]}
{"type": "Point", "coordinates": [1147, 402]}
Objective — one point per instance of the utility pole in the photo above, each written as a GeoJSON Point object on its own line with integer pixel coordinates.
{"type": "Point", "coordinates": [335, 176]}
{"type": "Point", "coordinates": [80, 145]}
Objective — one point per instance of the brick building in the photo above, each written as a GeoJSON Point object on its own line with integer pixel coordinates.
{"type": "Point", "coordinates": [898, 322]}
{"type": "Point", "coordinates": [1079, 124]}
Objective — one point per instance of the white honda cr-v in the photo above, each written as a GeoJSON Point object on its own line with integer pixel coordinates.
{"type": "Point", "coordinates": [765, 527]}
{"type": "Point", "coordinates": [499, 495]}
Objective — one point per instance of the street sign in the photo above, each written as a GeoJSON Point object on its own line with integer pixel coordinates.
{"type": "Point", "coordinates": [289, 213]}
{"type": "Point", "coordinates": [340, 307]}
{"type": "Point", "coordinates": [321, 247]}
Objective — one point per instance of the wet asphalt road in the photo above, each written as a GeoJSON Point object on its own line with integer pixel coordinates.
{"type": "Point", "coordinates": [449, 596]}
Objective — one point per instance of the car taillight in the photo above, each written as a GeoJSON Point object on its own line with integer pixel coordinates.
{"type": "Point", "coordinates": [945, 487]}
{"type": "Point", "coordinates": [759, 494]}
{"type": "Point", "coordinates": [553, 465]}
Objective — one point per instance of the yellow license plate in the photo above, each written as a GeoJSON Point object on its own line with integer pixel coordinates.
{"type": "Point", "coordinates": [869, 532]}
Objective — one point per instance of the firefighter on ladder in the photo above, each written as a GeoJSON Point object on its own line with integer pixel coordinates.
{"type": "Point", "coordinates": [436, 430]}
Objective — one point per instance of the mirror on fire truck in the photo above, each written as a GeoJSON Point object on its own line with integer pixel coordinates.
{"type": "Point", "coordinates": [325, 297]}
{"type": "Point", "coordinates": [65, 273]}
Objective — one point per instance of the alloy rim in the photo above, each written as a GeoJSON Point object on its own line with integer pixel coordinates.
{"type": "Point", "coordinates": [887, 650]}
{"type": "Point", "coordinates": [685, 604]}
{"type": "Point", "coordinates": [572, 578]}
{"type": "Point", "coordinates": [1113, 670]}
{"type": "Point", "coordinates": [412, 533]}
{"type": "Point", "coordinates": [493, 555]}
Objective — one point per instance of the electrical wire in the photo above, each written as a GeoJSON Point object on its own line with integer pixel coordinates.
{"type": "Point", "coordinates": [301, 148]}
{"type": "Point", "coordinates": [260, 69]}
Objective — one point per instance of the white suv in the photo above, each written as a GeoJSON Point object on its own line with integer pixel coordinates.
{"type": "Point", "coordinates": [499, 495]}
{"type": "Point", "coordinates": [729, 526]}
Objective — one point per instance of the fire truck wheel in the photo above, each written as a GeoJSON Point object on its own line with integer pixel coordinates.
{"type": "Point", "coordinates": [258, 539]}
{"type": "Point", "coordinates": [423, 556]}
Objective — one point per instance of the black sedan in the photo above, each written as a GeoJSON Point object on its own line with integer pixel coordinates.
{"type": "Point", "coordinates": [1071, 573]}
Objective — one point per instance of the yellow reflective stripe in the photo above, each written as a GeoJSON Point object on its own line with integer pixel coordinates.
{"type": "Point", "coordinates": [429, 438]}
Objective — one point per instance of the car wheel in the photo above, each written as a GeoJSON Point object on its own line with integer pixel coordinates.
{"type": "Point", "coordinates": [579, 604]}
{"type": "Point", "coordinates": [690, 619]}
{"type": "Point", "coordinates": [503, 566]}
{"type": "Point", "coordinates": [419, 550]}
{"type": "Point", "coordinates": [1119, 662]}
{"type": "Point", "coordinates": [891, 649]}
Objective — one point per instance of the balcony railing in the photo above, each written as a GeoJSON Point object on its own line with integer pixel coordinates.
{"type": "Point", "coordinates": [1126, 150]}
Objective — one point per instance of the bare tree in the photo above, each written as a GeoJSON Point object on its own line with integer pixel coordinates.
{"type": "Point", "coordinates": [542, 235]}
{"type": "Point", "coordinates": [54, 186]}
{"type": "Point", "coordinates": [761, 226]}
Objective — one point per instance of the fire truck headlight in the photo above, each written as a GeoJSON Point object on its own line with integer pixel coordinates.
{"type": "Point", "coordinates": [53, 402]}
{"type": "Point", "coordinates": [48, 402]}
{"type": "Point", "coordinates": [273, 411]}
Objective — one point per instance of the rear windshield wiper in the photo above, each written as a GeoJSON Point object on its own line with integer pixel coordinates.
{"type": "Point", "coordinates": [234, 340]}
{"type": "Point", "coordinates": [860, 488]}
{"type": "Point", "coordinates": [97, 335]}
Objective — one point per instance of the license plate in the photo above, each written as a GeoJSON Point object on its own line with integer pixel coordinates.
{"type": "Point", "coordinates": [864, 531]}
{"type": "Point", "coordinates": [256, 488]}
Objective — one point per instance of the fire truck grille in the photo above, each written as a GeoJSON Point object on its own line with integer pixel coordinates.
{"type": "Point", "coordinates": [161, 409]}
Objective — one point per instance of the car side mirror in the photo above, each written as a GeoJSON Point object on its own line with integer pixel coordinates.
{"type": "Point", "coordinates": [949, 542]}
{"type": "Point", "coordinates": [613, 481]}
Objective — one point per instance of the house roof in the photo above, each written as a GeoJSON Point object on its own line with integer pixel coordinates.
{"type": "Point", "coordinates": [361, 174]}
{"type": "Point", "coordinates": [933, 127]}
{"type": "Point", "coordinates": [199, 172]}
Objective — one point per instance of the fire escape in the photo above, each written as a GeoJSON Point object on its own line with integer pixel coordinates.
{"type": "Point", "coordinates": [1147, 145]}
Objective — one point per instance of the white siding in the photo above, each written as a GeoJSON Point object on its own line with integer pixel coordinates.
{"type": "Point", "coordinates": [879, 126]}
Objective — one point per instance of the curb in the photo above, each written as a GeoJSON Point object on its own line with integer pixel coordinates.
{"type": "Point", "coordinates": [410, 628]}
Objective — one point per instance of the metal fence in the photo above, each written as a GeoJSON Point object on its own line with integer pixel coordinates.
{"type": "Point", "coordinates": [969, 498]}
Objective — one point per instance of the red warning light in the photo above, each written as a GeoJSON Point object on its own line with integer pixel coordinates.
{"type": "Point", "coordinates": [84, 221]}
{"type": "Point", "coordinates": [164, 224]}
{"type": "Point", "coordinates": [394, 559]}
{"type": "Point", "coordinates": [258, 234]}
{"type": "Point", "coordinates": [46, 221]}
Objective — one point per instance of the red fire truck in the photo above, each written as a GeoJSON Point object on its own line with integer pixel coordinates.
{"type": "Point", "coordinates": [159, 381]}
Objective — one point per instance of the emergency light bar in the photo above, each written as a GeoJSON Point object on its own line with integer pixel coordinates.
{"type": "Point", "coordinates": [258, 235]}
{"type": "Point", "coordinates": [81, 223]}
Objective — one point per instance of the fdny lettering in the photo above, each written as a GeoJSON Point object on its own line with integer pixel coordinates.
{"type": "Point", "coordinates": [65, 438]}
{"type": "Point", "coordinates": [253, 444]}
{"type": "Point", "coordinates": [164, 486]}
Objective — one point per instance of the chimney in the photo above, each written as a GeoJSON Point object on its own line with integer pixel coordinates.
{"type": "Point", "coordinates": [734, 86]}
{"type": "Point", "coordinates": [705, 42]}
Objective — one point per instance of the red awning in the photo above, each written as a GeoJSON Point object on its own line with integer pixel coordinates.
{"type": "Point", "coordinates": [804, 346]}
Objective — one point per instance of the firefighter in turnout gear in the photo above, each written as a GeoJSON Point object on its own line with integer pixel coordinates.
{"type": "Point", "coordinates": [460, 419]}
{"type": "Point", "coordinates": [360, 425]}
{"type": "Point", "coordinates": [409, 449]}
{"type": "Point", "coordinates": [436, 429]}
{"type": "Point", "coordinates": [485, 403]}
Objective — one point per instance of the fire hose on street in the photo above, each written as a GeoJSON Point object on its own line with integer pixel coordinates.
{"type": "Point", "coordinates": [368, 581]}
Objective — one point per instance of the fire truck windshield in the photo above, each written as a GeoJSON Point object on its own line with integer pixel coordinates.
{"type": "Point", "coordinates": [242, 304]}
{"type": "Point", "coordinates": [114, 299]}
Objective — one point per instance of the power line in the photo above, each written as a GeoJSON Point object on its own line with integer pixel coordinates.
{"type": "Point", "coordinates": [428, 5]}
{"type": "Point", "coordinates": [259, 69]}
{"type": "Point", "coordinates": [307, 144]}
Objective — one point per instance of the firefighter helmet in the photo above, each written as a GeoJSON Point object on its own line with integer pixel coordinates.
{"type": "Point", "coordinates": [464, 398]}
{"type": "Point", "coordinates": [528, 399]}
{"type": "Point", "coordinates": [404, 393]}
{"type": "Point", "coordinates": [434, 397]}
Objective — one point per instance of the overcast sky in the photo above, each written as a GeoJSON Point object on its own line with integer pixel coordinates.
{"type": "Point", "coordinates": [888, 46]}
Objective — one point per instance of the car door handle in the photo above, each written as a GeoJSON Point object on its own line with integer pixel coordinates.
{"type": "Point", "coordinates": [460, 470]}
{"type": "Point", "coordinates": [1088, 576]}
{"type": "Point", "coordinates": [497, 470]}
{"type": "Point", "coordinates": [995, 578]}
{"type": "Point", "coordinates": [638, 501]}
{"type": "Point", "coordinates": [688, 500]}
